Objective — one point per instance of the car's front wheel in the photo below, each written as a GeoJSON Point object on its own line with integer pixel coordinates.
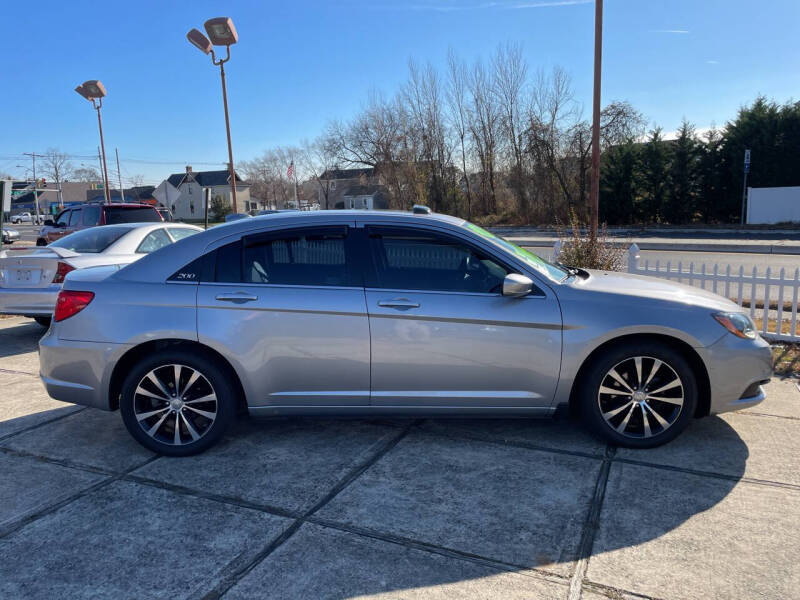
{"type": "Point", "coordinates": [41, 242]}
{"type": "Point", "coordinates": [639, 395]}
{"type": "Point", "coordinates": [177, 403]}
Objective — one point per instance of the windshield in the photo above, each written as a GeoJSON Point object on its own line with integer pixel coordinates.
{"type": "Point", "coordinates": [91, 241]}
{"type": "Point", "coordinates": [537, 263]}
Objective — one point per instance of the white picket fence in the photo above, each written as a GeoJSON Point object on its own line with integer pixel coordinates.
{"type": "Point", "coordinates": [771, 297]}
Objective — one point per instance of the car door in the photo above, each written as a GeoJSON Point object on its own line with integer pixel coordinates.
{"type": "Point", "coordinates": [288, 306]}
{"type": "Point", "coordinates": [442, 333]}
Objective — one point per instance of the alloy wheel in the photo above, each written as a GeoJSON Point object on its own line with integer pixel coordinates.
{"type": "Point", "coordinates": [641, 397]}
{"type": "Point", "coordinates": [175, 404]}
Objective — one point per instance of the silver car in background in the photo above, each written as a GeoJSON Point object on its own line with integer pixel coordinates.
{"type": "Point", "coordinates": [377, 313]}
{"type": "Point", "coordinates": [30, 282]}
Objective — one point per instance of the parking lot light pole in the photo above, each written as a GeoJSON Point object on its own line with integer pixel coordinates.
{"type": "Point", "coordinates": [222, 33]}
{"type": "Point", "coordinates": [94, 91]}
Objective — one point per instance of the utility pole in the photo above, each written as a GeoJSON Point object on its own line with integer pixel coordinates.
{"type": "Point", "coordinates": [594, 194]}
{"type": "Point", "coordinates": [35, 186]}
{"type": "Point", "coordinates": [744, 182]}
{"type": "Point", "coordinates": [119, 173]}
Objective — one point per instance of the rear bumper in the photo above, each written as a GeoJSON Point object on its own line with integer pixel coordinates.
{"type": "Point", "coordinates": [78, 372]}
{"type": "Point", "coordinates": [29, 301]}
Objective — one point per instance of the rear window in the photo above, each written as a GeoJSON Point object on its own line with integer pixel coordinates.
{"type": "Point", "coordinates": [131, 214]}
{"type": "Point", "coordinates": [92, 240]}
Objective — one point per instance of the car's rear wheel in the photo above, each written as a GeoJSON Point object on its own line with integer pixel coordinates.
{"type": "Point", "coordinates": [177, 403]}
{"type": "Point", "coordinates": [43, 321]}
{"type": "Point", "coordinates": [640, 395]}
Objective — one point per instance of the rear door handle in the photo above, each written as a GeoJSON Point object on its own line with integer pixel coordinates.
{"type": "Point", "coordinates": [237, 297]}
{"type": "Point", "coordinates": [398, 303]}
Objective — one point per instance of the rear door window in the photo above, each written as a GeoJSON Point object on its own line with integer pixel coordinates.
{"type": "Point", "coordinates": [154, 240]}
{"type": "Point", "coordinates": [75, 218]}
{"type": "Point", "coordinates": [131, 214]}
{"type": "Point", "coordinates": [91, 215]}
{"type": "Point", "coordinates": [178, 233]}
{"type": "Point", "coordinates": [314, 257]}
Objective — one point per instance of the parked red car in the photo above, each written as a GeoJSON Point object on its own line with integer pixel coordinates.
{"type": "Point", "coordinates": [93, 214]}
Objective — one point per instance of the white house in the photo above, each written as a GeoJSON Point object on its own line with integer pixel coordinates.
{"type": "Point", "coordinates": [184, 193]}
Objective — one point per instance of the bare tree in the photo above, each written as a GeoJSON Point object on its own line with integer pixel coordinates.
{"type": "Point", "coordinates": [317, 158]}
{"type": "Point", "coordinates": [56, 166]}
{"type": "Point", "coordinates": [86, 174]}
{"type": "Point", "coordinates": [484, 129]}
{"type": "Point", "coordinates": [458, 113]}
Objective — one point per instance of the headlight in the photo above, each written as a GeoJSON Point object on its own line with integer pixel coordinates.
{"type": "Point", "coordinates": [738, 324]}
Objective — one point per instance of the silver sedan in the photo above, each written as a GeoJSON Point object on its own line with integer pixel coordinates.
{"type": "Point", "coordinates": [30, 282]}
{"type": "Point", "coordinates": [378, 313]}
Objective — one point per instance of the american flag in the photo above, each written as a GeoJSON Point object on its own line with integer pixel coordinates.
{"type": "Point", "coordinates": [290, 170]}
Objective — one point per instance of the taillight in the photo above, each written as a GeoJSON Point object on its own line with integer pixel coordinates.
{"type": "Point", "coordinates": [70, 302]}
{"type": "Point", "coordinates": [61, 272]}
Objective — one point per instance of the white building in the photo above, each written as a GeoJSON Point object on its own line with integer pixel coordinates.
{"type": "Point", "coordinates": [184, 193]}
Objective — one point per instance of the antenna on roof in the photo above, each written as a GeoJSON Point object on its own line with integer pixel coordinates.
{"type": "Point", "coordinates": [420, 209]}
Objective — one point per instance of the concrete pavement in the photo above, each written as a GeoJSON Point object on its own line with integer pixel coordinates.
{"type": "Point", "coordinates": [431, 508]}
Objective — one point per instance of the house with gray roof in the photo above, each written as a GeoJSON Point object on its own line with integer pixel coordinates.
{"type": "Point", "coordinates": [184, 193]}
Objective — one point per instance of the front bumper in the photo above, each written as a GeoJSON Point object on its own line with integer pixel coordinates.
{"type": "Point", "coordinates": [736, 368]}
{"type": "Point", "coordinates": [34, 302]}
{"type": "Point", "coordinates": [10, 236]}
{"type": "Point", "coordinates": [78, 372]}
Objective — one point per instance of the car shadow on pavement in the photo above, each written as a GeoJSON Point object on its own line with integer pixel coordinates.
{"type": "Point", "coordinates": [20, 339]}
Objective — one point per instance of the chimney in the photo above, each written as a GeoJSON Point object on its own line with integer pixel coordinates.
{"type": "Point", "coordinates": [188, 168]}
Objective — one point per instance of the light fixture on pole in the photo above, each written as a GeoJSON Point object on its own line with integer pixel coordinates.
{"type": "Point", "coordinates": [94, 91]}
{"type": "Point", "coordinates": [222, 33]}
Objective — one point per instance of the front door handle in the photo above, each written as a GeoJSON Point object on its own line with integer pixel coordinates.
{"type": "Point", "coordinates": [237, 297]}
{"type": "Point", "coordinates": [398, 303]}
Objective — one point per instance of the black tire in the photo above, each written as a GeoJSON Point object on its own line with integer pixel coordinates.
{"type": "Point", "coordinates": [43, 321]}
{"type": "Point", "coordinates": [132, 403]}
{"type": "Point", "coordinates": [622, 358]}
{"type": "Point", "coordinates": [41, 242]}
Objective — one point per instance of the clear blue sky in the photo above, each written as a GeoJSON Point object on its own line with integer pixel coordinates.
{"type": "Point", "coordinates": [299, 64]}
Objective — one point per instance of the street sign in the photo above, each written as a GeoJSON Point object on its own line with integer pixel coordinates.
{"type": "Point", "coordinates": [747, 161]}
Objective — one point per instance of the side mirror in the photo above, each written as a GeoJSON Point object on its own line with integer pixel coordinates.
{"type": "Point", "coordinates": [516, 285]}
{"type": "Point", "coordinates": [49, 222]}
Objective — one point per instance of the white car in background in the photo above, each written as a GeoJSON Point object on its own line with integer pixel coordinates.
{"type": "Point", "coordinates": [29, 283]}
{"type": "Point", "coordinates": [10, 235]}
{"type": "Point", "coordinates": [22, 218]}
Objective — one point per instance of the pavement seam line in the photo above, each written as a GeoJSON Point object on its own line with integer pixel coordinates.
{"type": "Point", "coordinates": [616, 593]}
{"type": "Point", "coordinates": [345, 528]}
{"type": "Point", "coordinates": [761, 414]}
{"type": "Point", "coordinates": [226, 583]}
{"type": "Point", "coordinates": [711, 474]}
{"type": "Point", "coordinates": [461, 435]}
{"type": "Point", "coordinates": [442, 551]}
{"type": "Point", "coordinates": [42, 424]}
{"type": "Point", "coordinates": [68, 464]}
{"type": "Point", "coordinates": [15, 372]}
{"type": "Point", "coordinates": [18, 524]}
{"type": "Point", "coordinates": [590, 526]}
